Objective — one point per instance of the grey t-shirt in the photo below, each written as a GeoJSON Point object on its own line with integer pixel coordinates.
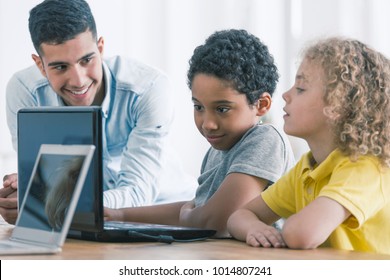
{"type": "Point", "coordinates": [263, 151]}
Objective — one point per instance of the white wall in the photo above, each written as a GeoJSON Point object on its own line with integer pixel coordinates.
{"type": "Point", "coordinates": [164, 33]}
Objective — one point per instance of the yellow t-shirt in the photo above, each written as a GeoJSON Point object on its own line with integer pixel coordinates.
{"type": "Point", "coordinates": [362, 187]}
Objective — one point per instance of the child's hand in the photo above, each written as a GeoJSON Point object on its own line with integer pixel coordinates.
{"type": "Point", "coordinates": [185, 212]}
{"type": "Point", "coordinates": [188, 206]}
{"type": "Point", "coordinates": [113, 214]}
{"type": "Point", "coordinates": [265, 236]}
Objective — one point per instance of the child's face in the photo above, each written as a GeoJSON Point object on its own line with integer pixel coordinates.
{"type": "Point", "coordinates": [74, 69]}
{"type": "Point", "coordinates": [304, 116]}
{"type": "Point", "coordinates": [221, 113]}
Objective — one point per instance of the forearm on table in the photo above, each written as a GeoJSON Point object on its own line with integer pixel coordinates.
{"type": "Point", "coordinates": [167, 214]}
{"type": "Point", "coordinates": [202, 217]}
{"type": "Point", "coordinates": [240, 222]}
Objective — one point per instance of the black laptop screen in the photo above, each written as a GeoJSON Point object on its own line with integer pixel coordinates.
{"type": "Point", "coordinates": [64, 125]}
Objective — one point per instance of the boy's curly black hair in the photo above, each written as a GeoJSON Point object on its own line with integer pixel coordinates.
{"type": "Point", "coordinates": [240, 59]}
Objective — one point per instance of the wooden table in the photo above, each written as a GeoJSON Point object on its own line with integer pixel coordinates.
{"type": "Point", "coordinates": [212, 249]}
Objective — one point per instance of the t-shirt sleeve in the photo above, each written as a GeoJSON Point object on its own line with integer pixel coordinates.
{"type": "Point", "coordinates": [360, 187]}
{"type": "Point", "coordinates": [281, 196]}
{"type": "Point", "coordinates": [262, 154]}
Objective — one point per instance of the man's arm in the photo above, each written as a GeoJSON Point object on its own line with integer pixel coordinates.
{"type": "Point", "coordinates": [24, 99]}
{"type": "Point", "coordinates": [14, 102]}
{"type": "Point", "coordinates": [144, 154]}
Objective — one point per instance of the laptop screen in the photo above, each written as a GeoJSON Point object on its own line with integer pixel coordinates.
{"type": "Point", "coordinates": [64, 125]}
{"type": "Point", "coordinates": [51, 190]}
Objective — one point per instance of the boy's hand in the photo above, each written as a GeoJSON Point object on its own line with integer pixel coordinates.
{"type": "Point", "coordinates": [265, 236]}
{"type": "Point", "coordinates": [113, 214]}
{"type": "Point", "coordinates": [185, 211]}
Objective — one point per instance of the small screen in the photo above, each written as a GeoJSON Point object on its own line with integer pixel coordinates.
{"type": "Point", "coordinates": [51, 191]}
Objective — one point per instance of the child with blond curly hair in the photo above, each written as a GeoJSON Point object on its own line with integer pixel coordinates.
{"type": "Point", "coordinates": [338, 194]}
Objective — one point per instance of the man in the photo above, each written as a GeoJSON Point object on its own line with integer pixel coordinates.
{"type": "Point", "coordinates": [137, 108]}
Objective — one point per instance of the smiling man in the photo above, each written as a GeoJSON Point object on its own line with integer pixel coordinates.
{"type": "Point", "coordinates": [139, 166]}
{"type": "Point", "coordinates": [74, 69]}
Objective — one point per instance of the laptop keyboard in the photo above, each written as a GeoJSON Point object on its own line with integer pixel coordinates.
{"type": "Point", "coordinates": [129, 225]}
{"type": "Point", "coordinates": [7, 245]}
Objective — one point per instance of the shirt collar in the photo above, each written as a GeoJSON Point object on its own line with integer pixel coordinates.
{"type": "Point", "coordinates": [317, 172]}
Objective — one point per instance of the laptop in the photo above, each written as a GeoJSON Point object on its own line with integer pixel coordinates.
{"type": "Point", "coordinates": [83, 125]}
{"type": "Point", "coordinates": [66, 126]}
{"type": "Point", "coordinates": [50, 200]}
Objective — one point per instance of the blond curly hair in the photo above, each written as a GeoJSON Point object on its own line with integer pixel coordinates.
{"type": "Point", "coordinates": [357, 96]}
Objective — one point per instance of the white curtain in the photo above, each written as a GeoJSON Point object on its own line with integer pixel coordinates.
{"type": "Point", "coordinates": [164, 33]}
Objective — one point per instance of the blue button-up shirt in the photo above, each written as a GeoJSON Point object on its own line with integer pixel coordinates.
{"type": "Point", "coordinates": [140, 167]}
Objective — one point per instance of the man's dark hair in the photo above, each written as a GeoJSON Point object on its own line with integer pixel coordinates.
{"type": "Point", "coordinates": [240, 59]}
{"type": "Point", "coordinates": [57, 21]}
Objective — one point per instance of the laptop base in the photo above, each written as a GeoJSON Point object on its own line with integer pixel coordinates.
{"type": "Point", "coordinates": [139, 232]}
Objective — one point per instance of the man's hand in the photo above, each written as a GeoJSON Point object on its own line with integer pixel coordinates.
{"type": "Point", "coordinates": [10, 180]}
{"type": "Point", "coordinates": [9, 198]}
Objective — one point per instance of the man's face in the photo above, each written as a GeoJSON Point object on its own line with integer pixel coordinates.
{"type": "Point", "coordinates": [74, 69]}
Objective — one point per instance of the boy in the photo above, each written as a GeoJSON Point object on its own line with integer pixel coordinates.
{"type": "Point", "coordinates": [338, 194]}
{"type": "Point", "coordinates": [232, 78]}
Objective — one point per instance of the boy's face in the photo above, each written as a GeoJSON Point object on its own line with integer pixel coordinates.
{"type": "Point", "coordinates": [221, 113]}
{"type": "Point", "coordinates": [74, 69]}
{"type": "Point", "coordinates": [305, 105]}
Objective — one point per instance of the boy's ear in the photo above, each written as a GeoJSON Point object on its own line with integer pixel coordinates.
{"type": "Point", "coordinates": [263, 105]}
{"type": "Point", "coordinates": [38, 61]}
